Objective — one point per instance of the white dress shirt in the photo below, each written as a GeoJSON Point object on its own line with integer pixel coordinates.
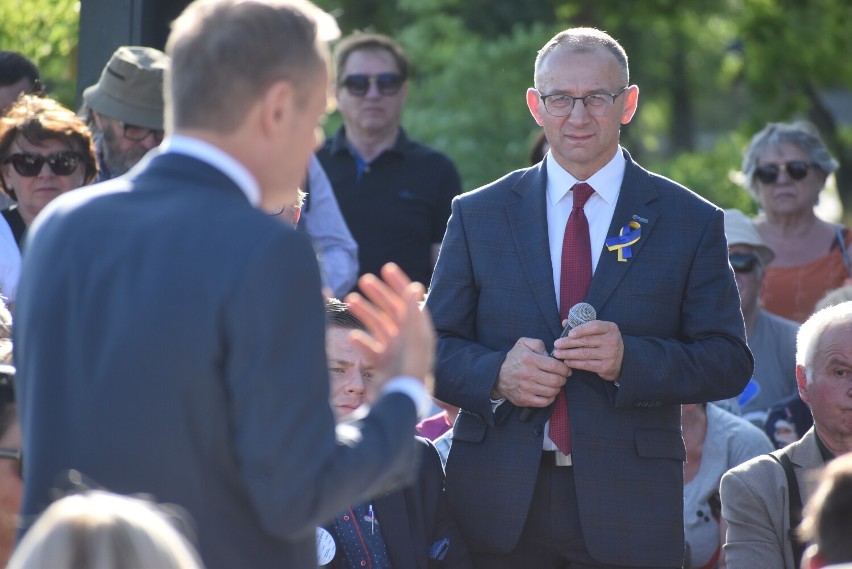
{"type": "Point", "coordinates": [598, 209]}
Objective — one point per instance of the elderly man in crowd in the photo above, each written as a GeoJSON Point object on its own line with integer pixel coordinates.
{"type": "Point", "coordinates": [762, 498]}
{"type": "Point", "coordinates": [124, 108]}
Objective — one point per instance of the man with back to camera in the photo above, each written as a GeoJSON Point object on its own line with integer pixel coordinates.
{"type": "Point", "coordinates": [394, 192]}
{"type": "Point", "coordinates": [160, 354]}
{"type": "Point", "coordinates": [576, 460]}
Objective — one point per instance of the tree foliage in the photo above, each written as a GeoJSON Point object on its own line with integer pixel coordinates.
{"type": "Point", "coordinates": [710, 73]}
{"type": "Point", "coordinates": [46, 32]}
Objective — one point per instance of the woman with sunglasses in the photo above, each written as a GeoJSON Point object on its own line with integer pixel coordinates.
{"type": "Point", "coordinates": [45, 151]}
{"type": "Point", "coordinates": [785, 168]}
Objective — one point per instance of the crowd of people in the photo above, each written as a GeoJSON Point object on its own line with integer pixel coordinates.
{"type": "Point", "coordinates": [216, 346]}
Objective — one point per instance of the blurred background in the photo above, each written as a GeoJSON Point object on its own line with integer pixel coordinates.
{"type": "Point", "coordinates": [710, 73]}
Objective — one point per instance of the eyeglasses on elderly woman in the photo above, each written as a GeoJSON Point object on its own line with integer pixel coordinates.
{"type": "Point", "coordinates": [797, 170]}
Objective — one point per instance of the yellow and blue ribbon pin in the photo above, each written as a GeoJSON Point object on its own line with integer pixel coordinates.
{"type": "Point", "coordinates": [628, 236]}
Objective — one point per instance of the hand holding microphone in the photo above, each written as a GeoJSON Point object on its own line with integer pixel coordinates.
{"type": "Point", "coordinates": [580, 313]}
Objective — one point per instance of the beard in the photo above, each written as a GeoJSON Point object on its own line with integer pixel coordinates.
{"type": "Point", "coordinates": [116, 160]}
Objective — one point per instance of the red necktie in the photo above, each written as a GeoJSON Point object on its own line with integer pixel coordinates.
{"type": "Point", "coordinates": [574, 279]}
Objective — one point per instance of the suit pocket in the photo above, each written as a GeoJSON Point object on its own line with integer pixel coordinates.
{"type": "Point", "coordinates": [469, 427]}
{"type": "Point", "coordinates": [660, 444]}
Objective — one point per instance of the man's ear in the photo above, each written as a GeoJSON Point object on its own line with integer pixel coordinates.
{"type": "Point", "coordinates": [631, 103]}
{"type": "Point", "coordinates": [277, 106]}
{"type": "Point", "coordinates": [534, 104]}
{"type": "Point", "coordinates": [802, 381]}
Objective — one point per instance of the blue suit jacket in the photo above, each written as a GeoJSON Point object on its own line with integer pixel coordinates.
{"type": "Point", "coordinates": [677, 307]}
{"type": "Point", "coordinates": [414, 518]}
{"type": "Point", "coordinates": [170, 340]}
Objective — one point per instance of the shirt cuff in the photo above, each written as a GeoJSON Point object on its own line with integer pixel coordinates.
{"type": "Point", "coordinates": [414, 389]}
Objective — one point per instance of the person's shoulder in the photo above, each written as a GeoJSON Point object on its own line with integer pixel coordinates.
{"type": "Point", "coordinates": [756, 471]}
{"type": "Point", "coordinates": [83, 201]}
{"type": "Point", "coordinates": [745, 439]}
{"type": "Point", "coordinates": [415, 150]}
{"type": "Point", "coordinates": [499, 188]}
{"type": "Point", "coordinates": [779, 324]}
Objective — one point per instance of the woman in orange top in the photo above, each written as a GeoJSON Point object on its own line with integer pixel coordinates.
{"type": "Point", "coordinates": [785, 167]}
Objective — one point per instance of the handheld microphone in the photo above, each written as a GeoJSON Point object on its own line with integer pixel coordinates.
{"type": "Point", "coordinates": [580, 313]}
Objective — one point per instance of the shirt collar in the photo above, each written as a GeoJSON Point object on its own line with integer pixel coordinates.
{"type": "Point", "coordinates": [606, 181]}
{"type": "Point", "coordinates": [340, 144]}
{"type": "Point", "coordinates": [217, 158]}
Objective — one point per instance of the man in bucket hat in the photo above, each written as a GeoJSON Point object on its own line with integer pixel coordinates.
{"type": "Point", "coordinates": [772, 339]}
{"type": "Point", "coordinates": [124, 108]}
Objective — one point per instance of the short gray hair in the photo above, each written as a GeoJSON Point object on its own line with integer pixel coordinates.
{"type": "Point", "coordinates": [226, 53]}
{"type": "Point", "coordinates": [801, 133]}
{"type": "Point", "coordinates": [811, 332]}
{"type": "Point", "coordinates": [585, 40]}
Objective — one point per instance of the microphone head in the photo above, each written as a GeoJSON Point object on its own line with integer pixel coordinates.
{"type": "Point", "coordinates": [581, 313]}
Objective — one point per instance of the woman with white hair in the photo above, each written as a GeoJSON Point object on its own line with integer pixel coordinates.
{"type": "Point", "coordinates": [785, 168]}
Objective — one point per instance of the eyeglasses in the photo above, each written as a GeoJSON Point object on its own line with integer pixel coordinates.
{"type": "Point", "coordinates": [743, 262]}
{"type": "Point", "coordinates": [29, 164]}
{"type": "Point", "coordinates": [796, 169]}
{"type": "Point", "coordinates": [598, 104]}
{"type": "Point", "coordinates": [139, 133]}
{"type": "Point", "coordinates": [358, 84]}
{"type": "Point", "coordinates": [16, 455]}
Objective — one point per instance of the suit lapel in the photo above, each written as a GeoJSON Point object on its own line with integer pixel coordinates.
{"type": "Point", "coordinates": [637, 191]}
{"type": "Point", "coordinates": [528, 224]}
{"type": "Point", "coordinates": [393, 516]}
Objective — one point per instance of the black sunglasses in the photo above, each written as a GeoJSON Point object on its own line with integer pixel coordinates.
{"type": "Point", "coordinates": [16, 455]}
{"type": "Point", "coordinates": [29, 164]}
{"type": "Point", "coordinates": [743, 262]}
{"type": "Point", "coordinates": [796, 169]}
{"type": "Point", "coordinates": [358, 84]}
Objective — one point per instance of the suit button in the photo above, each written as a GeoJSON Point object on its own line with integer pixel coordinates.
{"type": "Point", "coordinates": [363, 563]}
{"type": "Point", "coordinates": [538, 430]}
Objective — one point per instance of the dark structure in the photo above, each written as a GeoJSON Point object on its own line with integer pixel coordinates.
{"type": "Point", "coordinates": [107, 24]}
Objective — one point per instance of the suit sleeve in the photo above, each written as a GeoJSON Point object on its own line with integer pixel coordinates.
{"type": "Point", "coordinates": [685, 366]}
{"type": "Point", "coordinates": [754, 505]}
{"type": "Point", "coordinates": [295, 472]}
{"type": "Point", "coordinates": [467, 370]}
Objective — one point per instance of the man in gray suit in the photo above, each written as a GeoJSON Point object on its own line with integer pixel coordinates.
{"type": "Point", "coordinates": [597, 483]}
{"type": "Point", "coordinates": [170, 334]}
{"type": "Point", "coordinates": [755, 495]}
